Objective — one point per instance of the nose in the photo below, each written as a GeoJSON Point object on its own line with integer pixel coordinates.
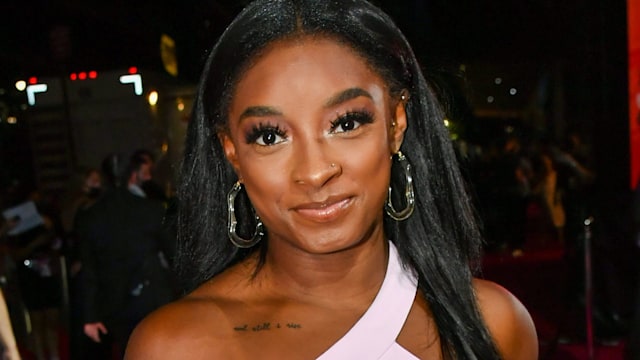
{"type": "Point", "coordinates": [313, 165]}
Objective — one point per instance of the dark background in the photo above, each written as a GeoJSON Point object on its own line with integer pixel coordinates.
{"type": "Point", "coordinates": [580, 42]}
{"type": "Point", "coordinates": [104, 34]}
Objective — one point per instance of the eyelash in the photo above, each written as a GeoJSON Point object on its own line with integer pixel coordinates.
{"type": "Point", "coordinates": [260, 130]}
{"type": "Point", "coordinates": [264, 129]}
{"type": "Point", "coordinates": [361, 117]}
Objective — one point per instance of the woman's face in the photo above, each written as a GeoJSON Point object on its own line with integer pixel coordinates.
{"type": "Point", "coordinates": [311, 132]}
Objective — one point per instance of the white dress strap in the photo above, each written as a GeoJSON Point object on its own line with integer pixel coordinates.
{"type": "Point", "coordinates": [374, 335]}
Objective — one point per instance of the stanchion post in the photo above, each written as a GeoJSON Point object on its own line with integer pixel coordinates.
{"type": "Point", "coordinates": [588, 287]}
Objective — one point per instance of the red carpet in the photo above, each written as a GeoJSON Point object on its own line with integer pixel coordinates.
{"type": "Point", "coordinates": [539, 279]}
{"type": "Point", "coordinates": [579, 352]}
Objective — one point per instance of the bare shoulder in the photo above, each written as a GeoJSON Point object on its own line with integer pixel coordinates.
{"type": "Point", "coordinates": [185, 329]}
{"type": "Point", "coordinates": [508, 321]}
{"type": "Point", "coordinates": [199, 325]}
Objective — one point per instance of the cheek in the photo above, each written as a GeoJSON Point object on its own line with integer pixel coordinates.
{"type": "Point", "coordinates": [264, 183]}
{"type": "Point", "coordinates": [369, 167]}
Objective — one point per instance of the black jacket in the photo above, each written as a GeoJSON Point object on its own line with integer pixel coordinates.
{"type": "Point", "coordinates": [120, 238]}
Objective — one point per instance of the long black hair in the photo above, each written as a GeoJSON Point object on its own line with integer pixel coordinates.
{"type": "Point", "coordinates": [440, 241]}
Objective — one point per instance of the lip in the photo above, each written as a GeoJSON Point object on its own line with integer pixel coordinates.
{"type": "Point", "coordinates": [324, 211]}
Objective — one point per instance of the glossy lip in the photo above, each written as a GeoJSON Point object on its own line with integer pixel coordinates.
{"type": "Point", "coordinates": [324, 211]}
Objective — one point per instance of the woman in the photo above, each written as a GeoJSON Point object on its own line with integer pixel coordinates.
{"type": "Point", "coordinates": [303, 108]}
{"type": "Point", "coordinates": [550, 195]}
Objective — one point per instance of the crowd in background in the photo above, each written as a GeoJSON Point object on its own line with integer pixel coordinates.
{"type": "Point", "coordinates": [85, 262]}
{"type": "Point", "coordinates": [526, 185]}
{"type": "Point", "coordinates": [515, 172]}
{"type": "Point", "coordinates": [95, 264]}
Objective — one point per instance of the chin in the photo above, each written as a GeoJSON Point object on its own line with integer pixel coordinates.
{"type": "Point", "coordinates": [333, 240]}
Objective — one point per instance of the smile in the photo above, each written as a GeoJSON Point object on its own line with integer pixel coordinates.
{"type": "Point", "coordinates": [323, 211]}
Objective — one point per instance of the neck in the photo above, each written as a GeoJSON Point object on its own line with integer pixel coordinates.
{"type": "Point", "coordinates": [350, 274]}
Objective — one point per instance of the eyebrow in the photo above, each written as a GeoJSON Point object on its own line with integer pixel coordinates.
{"type": "Point", "coordinates": [346, 95]}
{"type": "Point", "coordinates": [337, 99]}
{"type": "Point", "coordinates": [259, 111]}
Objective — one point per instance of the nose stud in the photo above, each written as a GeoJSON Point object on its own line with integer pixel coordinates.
{"type": "Point", "coordinates": [318, 175]}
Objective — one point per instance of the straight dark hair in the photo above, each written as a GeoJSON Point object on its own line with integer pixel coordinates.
{"type": "Point", "coordinates": [440, 241]}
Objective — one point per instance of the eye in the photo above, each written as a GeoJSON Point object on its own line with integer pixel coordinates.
{"type": "Point", "coordinates": [265, 135]}
{"type": "Point", "coordinates": [351, 121]}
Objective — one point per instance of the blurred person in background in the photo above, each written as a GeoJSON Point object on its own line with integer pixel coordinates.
{"type": "Point", "coordinates": [36, 252]}
{"type": "Point", "coordinates": [9, 283]}
{"type": "Point", "coordinates": [142, 173]}
{"type": "Point", "coordinates": [121, 235]}
{"type": "Point", "coordinates": [548, 193]}
{"type": "Point", "coordinates": [512, 189]}
{"type": "Point", "coordinates": [576, 181]}
{"type": "Point", "coordinates": [138, 172]}
{"type": "Point", "coordinates": [91, 188]}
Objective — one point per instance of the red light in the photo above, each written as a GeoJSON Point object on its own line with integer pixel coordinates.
{"type": "Point", "coordinates": [93, 74]}
{"type": "Point", "coordinates": [82, 75]}
{"type": "Point", "coordinates": [73, 76]}
{"type": "Point", "coordinates": [133, 70]}
{"type": "Point", "coordinates": [33, 80]}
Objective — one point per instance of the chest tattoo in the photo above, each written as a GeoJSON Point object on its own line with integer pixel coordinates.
{"type": "Point", "coordinates": [267, 326]}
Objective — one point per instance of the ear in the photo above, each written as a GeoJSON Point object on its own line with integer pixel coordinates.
{"type": "Point", "coordinates": [230, 151]}
{"type": "Point", "coordinates": [398, 125]}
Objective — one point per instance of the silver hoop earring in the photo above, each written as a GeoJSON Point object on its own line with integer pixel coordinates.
{"type": "Point", "coordinates": [232, 222]}
{"type": "Point", "coordinates": [408, 193]}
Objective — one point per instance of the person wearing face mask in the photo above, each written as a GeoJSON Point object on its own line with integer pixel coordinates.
{"type": "Point", "coordinates": [92, 186]}
{"type": "Point", "coordinates": [121, 235]}
{"type": "Point", "coordinates": [82, 197]}
{"type": "Point", "coordinates": [91, 190]}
